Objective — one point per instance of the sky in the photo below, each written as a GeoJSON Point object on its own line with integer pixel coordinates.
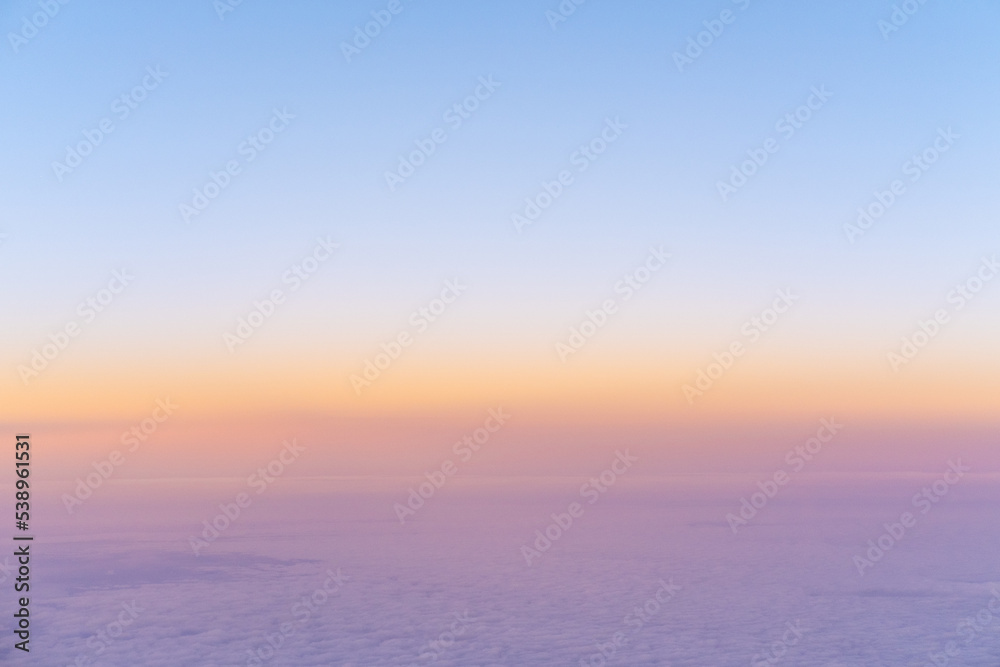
{"type": "Point", "coordinates": [507, 317]}
{"type": "Point", "coordinates": [347, 118]}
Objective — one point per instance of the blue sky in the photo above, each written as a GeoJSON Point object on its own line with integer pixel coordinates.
{"type": "Point", "coordinates": [657, 184]}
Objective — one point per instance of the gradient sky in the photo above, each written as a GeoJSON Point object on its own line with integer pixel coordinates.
{"type": "Point", "coordinates": [656, 185]}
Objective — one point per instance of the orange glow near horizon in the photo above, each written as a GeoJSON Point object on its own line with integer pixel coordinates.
{"type": "Point", "coordinates": [593, 391]}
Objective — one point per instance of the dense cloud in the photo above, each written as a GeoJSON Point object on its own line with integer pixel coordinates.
{"type": "Point", "coordinates": [646, 574]}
